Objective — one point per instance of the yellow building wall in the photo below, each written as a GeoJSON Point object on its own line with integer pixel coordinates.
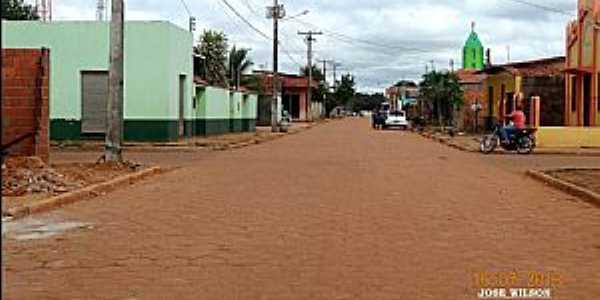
{"type": "Point", "coordinates": [496, 81]}
{"type": "Point", "coordinates": [568, 137]}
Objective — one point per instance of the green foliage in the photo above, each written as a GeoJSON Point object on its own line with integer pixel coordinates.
{"type": "Point", "coordinates": [406, 83]}
{"type": "Point", "coordinates": [443, 93]}
{"type": "Point", "coordinates": [321, 90]}
{"type": "Point", "coordinates": [239, 62]}
{"type": "Point", "coordinates": [17, 10]}
{"type": "Point", "coordinates": [213, 48]}
{"type": "Point", "coordinates": [367, 101]}
{"type": "Point", "coordinates": [343, 94]}
{"type": "Point", "coordinates": [316, 73]}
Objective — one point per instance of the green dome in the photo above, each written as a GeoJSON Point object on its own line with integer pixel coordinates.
{"type": "Point", "coordinates": [473, 52]}
{"type": "Point", "coordinates": [473, 41]}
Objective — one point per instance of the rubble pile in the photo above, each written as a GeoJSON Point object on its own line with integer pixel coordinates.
{"type": "Point", "coordinates": [29, 175]}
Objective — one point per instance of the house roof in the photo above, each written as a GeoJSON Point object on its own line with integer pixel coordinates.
{"type": "Point", "coordinates": [470, 76]}
{"type": "Point", "coordinates": [538, 67]}
{"type": "Point", "coordinates": [287, 80]}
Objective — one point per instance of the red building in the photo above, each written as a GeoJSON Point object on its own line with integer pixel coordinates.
{"type": "Point", "coordinates": [294, 96]}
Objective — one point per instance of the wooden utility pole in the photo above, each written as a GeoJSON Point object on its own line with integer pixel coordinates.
{"type": "Point", "coordinates": [335, 65]}
{"type": "Point", "coordinates": [309, 41]}
{"type": "Point", "coordinates": [276, 12]}
{"type": "Point", "coordinates": [325, 62]}
{"type": "Point", "coordinates": [114, 107]}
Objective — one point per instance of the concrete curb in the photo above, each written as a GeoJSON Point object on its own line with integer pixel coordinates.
{"type": "Point", "coordinates": [537, 151]}
{"type": "Point", "coordinates": [564, 186]}
{"type": "Point", "coordinates": [446, 142]}
{"type": "Point", "coordinates": [85, 193]}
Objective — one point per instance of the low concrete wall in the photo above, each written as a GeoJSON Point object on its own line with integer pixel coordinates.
{"type": "Point", "coordinates": [568, 137]}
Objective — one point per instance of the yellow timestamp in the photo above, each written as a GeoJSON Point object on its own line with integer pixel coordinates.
{"type": "Point", "coordinates": [513, 279]}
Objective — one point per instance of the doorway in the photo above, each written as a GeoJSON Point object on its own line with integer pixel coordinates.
{"type": "Point", "coordinates": [490, 122]}
{"type": "Point", "coordinates": [181, 120]}
{"type": "Point", "coordinates": [291, 104]}
{"type": "Point", "coordinates": [94, 98]}
{"type": "Point", "coordinates": [587, 99]}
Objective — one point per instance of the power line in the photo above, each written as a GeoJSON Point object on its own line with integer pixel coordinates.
{"type": "Point", "coordinates": [258, 31]}
{"type": "Point", "coordinates": [544, 7]}
{"type": "Point", "coordinates": [346, 38]}
{"type": "Point", "coordinates": [185, 6]}
{"type": "Point", "coordinates": [237, 13]}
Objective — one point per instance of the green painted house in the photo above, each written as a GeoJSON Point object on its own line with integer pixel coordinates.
{"type": "Point", "coordinates": [219, 111]}
{"type": "Point", "coordinates": [162, 101]}
{"type": "Point", "coordinates": [473, 57]}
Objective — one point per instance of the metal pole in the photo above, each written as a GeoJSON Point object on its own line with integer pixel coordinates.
{"type": "Point", "coordinates": [114, 109]}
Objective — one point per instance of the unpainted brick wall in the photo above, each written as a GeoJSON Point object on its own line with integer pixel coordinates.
{"type": "Point", "coordinates": [25, 79]}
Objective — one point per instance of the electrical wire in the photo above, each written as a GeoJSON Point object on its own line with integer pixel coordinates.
{"type": "Point", "coordinates": [239, 15]}
{"type": "Point", "coordinates": [543, 7]}
{"type": "Point", "coordinates": [186, 7]}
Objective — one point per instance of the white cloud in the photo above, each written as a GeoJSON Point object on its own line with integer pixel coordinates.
{"type": "Point", "coordinates": [438, 26]}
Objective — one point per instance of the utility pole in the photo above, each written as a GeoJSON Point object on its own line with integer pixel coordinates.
{"type": "Point", "coordinates": [335, 65]}
{"type": "Point", "coordinates": [114, 107]}
{"type": "Point", "coordinates": [192, 24]}
{"type": "Point", "coordinates": [325, 62]}
{"type": "Point", "coordinates": [309, 42]}
{"type": "Point", "coordinates": [275, 12]}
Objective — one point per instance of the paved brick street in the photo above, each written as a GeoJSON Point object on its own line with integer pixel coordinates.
{"type": "Point", "coordinates": [335, 212]}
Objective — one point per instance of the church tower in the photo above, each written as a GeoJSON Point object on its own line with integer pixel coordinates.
{"type": "Point", "coordinates": [473, 52]}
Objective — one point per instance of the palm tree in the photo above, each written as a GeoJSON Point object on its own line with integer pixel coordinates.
{"type": "Point", "coordinates": [239, 63]}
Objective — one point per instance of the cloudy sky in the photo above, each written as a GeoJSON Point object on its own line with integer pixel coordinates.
{"type": "Point", "coordinates": [378, 41]}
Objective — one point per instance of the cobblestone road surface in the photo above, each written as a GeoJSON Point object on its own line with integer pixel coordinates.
{"type": "Point", "coordinates": [337, 212]}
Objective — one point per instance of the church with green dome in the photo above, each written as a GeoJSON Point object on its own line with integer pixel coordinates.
{"type": "Point", "coordinates": [473, 52]}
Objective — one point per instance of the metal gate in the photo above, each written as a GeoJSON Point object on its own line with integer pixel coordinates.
{"type": "Point", "coordinates": [94, 93]}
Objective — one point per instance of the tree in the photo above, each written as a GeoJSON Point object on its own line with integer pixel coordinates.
{"type": "Point", "coordinates": [316, 73]}
{"type": "Point", "coordinates": [320, 90]}
{"type": "Point", "coordinates": [443, 92]}
{"type": "Point", "coordinates": [367, 101]}
{"type": "Point", "coordinates": [17, 10]}
{"type": "Point", "coordinates": [405, 83]}
{"type": "Point", "coordinates": [213, 49]}
{"type": "Point", "coordinates": [239, 63]}
{"type": "Point", "coordinates": [344, 93]}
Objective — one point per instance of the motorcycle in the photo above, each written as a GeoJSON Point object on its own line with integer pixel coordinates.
{"type": "Point", "coordinates": [523, 141]}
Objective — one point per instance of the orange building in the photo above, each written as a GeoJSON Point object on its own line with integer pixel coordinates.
{"type": "Point", "coordinates": [582, 107]}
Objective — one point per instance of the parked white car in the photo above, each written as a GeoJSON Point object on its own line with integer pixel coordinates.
{"type": "Point", "coordinates": [396, 119]}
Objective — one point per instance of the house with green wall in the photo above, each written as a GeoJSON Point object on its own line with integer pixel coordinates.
{"type": "Point", "coordinates": [219, 110]}
{"type": "Point", "coordinates": [161, 99]}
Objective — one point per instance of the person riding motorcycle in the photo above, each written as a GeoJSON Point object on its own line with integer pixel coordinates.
{"type": "Point", "coordinates": [518, 121]}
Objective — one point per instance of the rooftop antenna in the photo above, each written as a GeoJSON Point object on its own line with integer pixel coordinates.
{"type": "Point", "coordinates": [100, 9]}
